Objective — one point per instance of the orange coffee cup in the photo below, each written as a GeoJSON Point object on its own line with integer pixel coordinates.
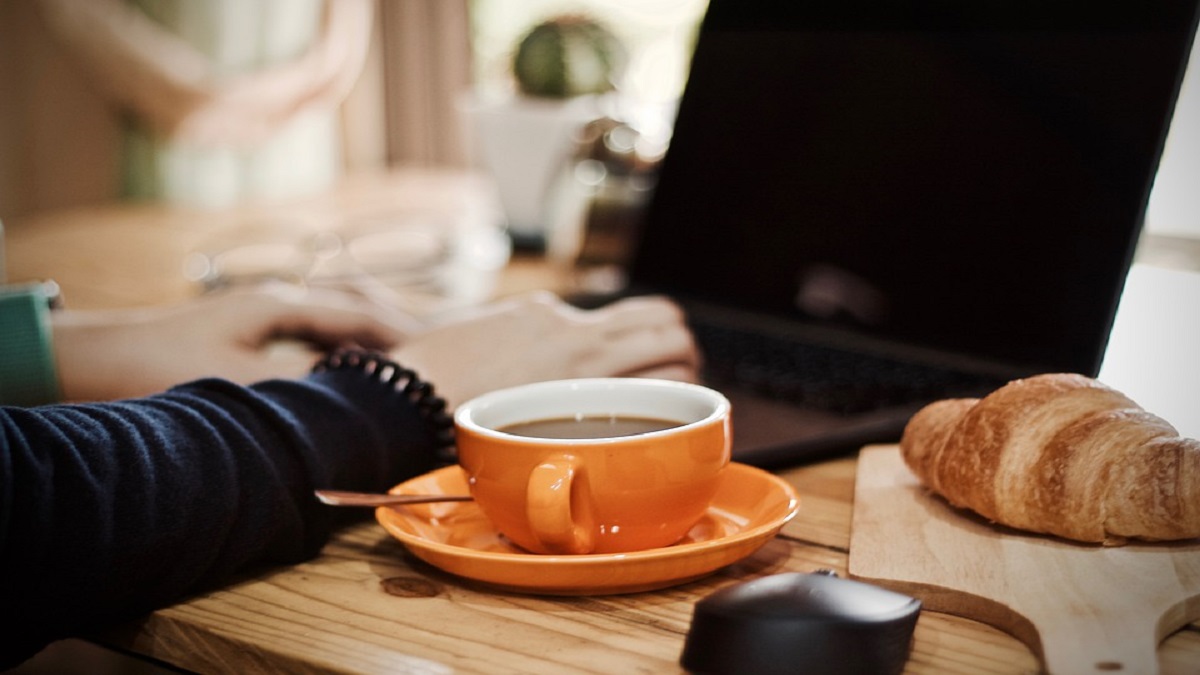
{"type": "Point", "coordinates": [642, 474]}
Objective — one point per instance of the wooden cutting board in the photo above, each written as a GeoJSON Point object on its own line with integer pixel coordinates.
{"type": "Point", "coordinates": [1081, 609]}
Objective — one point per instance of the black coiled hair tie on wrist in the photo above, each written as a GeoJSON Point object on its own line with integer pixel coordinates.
{"type": "Point", "coordinates": [431, 407]}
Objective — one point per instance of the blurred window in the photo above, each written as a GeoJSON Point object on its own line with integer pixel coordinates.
{"type": "Point", "coordinates": [658, 34]}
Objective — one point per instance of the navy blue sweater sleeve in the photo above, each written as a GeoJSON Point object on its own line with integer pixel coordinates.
{"type": "Point", "coordinates": [110, 510]}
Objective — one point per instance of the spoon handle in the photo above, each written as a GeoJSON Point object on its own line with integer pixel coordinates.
{"type": "Point", "coordinates": [342, 498]}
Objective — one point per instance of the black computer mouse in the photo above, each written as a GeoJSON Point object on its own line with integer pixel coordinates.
{"type": "Point", "coordinates": [813, 623]}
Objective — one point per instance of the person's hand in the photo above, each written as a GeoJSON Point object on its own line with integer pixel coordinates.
{"type": "Point", "coordinates": [243, 335]}
{"type": "Point", "coordinates": [539, 337]}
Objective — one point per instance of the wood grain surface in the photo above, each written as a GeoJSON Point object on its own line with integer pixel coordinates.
{"type": "Point", "coordinates": [1082, 608]}
{"type": "Point", "coordinates": [365, 605]}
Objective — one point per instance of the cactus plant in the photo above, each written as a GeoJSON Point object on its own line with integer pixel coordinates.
{"type": "Point", "coordinates": [567, 56]}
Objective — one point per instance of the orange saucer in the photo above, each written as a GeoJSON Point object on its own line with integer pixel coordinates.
{"type": "Point", "coordinates": [750, 508]}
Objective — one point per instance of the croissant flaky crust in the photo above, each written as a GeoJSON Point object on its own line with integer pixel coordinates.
{"type": "Point", "coordinates": [1060, 454]}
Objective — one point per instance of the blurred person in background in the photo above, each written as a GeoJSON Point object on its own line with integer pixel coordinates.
{"type": "Point", "coordinates": [195, 103]}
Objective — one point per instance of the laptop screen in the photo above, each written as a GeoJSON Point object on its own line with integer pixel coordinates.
{"type": "Point", "coordinates": [968, 176]}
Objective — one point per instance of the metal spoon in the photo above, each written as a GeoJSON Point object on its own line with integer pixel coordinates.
{"type": "Point", "coordinates": [342, 498]}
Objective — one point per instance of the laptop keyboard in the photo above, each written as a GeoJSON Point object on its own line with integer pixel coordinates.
{"type": "Point", "coordinates": [827, 378]}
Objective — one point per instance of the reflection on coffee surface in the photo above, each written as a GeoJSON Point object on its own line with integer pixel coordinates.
{"type": "Point", "coordinates": [598, 426]}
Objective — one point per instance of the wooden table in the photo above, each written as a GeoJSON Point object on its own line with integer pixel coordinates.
{"type": "Point", "coordinates": [367, 606]}
{"type": "Point", "coordinates": [124, 255]}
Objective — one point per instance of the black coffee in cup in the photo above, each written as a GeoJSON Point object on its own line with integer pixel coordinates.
{"type": "Point", "coordinates": [589, 426]}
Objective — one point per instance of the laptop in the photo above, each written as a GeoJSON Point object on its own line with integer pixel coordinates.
{"type": "Point", "coordinates": [954, 185]}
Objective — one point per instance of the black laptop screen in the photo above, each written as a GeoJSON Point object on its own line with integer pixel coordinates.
{"type": "Point", "coordinates": [969, 176]}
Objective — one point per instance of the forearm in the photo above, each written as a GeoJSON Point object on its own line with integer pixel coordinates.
{"type": "Point", "coordinates": [244, 336]}
{"type": "Point", "coordinates": [113, 509]}
{"type": "Point", "coordinates": [98, 354]}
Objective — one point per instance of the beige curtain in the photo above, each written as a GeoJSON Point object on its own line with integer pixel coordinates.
{"type": "Point", "coordinates": [59, 139]}
{"type": "Point", "coordinates": [427, 66]}
{"type": "Point", "coordinates": [403, 110]}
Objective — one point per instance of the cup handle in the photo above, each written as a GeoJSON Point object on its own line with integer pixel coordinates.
{"type": "Point", "coordinates": [557, 506]}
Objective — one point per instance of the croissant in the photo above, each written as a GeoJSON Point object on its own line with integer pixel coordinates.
{"type": "Point", "coordinates": [1060, 454]}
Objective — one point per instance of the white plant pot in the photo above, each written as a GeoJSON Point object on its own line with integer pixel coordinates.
{"type": "Point", "coordinates": [523, 143]}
